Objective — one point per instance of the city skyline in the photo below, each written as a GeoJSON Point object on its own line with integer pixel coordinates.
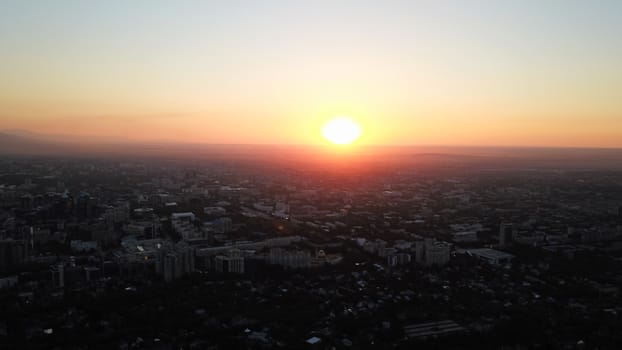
{"type": "Point", "coordinates": [329, 174]}
{"type": "Point", "coordinates": [410, 73]}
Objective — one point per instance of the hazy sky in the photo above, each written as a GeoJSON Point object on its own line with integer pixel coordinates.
{"type": "Point", "coordinates": [412, 72]}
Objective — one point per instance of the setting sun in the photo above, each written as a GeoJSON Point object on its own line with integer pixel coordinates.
{"type": "Point", "coordinates": [341, 131]}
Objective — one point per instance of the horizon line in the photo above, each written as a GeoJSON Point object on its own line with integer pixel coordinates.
{"type": "Point", "coordinates": [113, 140]}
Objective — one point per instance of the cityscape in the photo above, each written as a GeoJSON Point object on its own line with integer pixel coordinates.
{"type": "Point", "coordinates": [321, 175]}
{"type": "Point", "coordinates": [219, 254]}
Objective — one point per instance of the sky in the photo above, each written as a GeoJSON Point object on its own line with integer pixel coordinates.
{"type": "Point", "coordinates": [515, 73]}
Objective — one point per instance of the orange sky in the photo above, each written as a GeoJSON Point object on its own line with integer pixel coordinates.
{"type": "Point", "coordinates": [528, 74]}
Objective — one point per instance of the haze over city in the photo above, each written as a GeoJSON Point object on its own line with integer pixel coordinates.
{"type": "Point", "coordinates": [315, 175]}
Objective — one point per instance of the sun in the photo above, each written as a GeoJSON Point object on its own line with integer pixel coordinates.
{"type": "Point", "coordinates": [341, 131]}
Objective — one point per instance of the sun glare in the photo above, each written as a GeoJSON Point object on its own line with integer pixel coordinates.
{"type": "Point", "coordinates": [341, 131]}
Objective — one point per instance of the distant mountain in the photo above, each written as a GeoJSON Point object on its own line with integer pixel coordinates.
{"type": "Point", "coordinates": [21, 142]}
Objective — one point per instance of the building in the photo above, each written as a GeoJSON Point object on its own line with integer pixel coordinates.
{"type": "Point", "coordinates": [233, 262]}
{"type": "Point", "coordinates": [84, 206]}
{"type": "Point", "coordinates": [491, 256]}
{"type": "Point", "coordinates": [83, 246]}
{"type": "Point", "coordinates": [246, 245]}
{"type": "Point", "coordinates": [8, 282]}
{"type": "Point", "coordinates": [183, 225]}
{"type": "Point", "coordinates": [506, 234]}
{"type": "Point", "coordinates": [465, 237]}
{"type": "Point", "coordinates": [117, 214]}
{"type": "Point", "coordinates": [12, 253]}
{"type": "Point", "coordinates": [437, 254]}
{"type": "Point", "coordinates": [147, 229]}
{"type": "Point", "coordinates": [220, 225]}
{"type": "Point", "coordinates": [215, 211]}
{"type": "Point", "coordinates": [432, 252]}
{"type": "Point", "coordinates": [173, 262]}
{"type": "Point", "coordinates": [433, 329]}
{"type": "Point", "coordinates": [420, 252]}
{"type": "Point", "coordinates": [58, 275]}
{"type": "Point", "coordinates": [290, 259]}
{"type": "Point", "coordinates": [236, 261]}
{"type": "Point", "coordinates": [314, 342]}
{"type": "Point", "coordinates": [375, 247]}
{"type": "Point", "coordinates": [398, 259]}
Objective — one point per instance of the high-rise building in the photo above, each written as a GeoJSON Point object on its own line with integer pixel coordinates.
{"type": "Point", "coordinates": [221, 263]}
{"type": "Point", "coordinates": [419, 252]}
{"type": "Point", "coordinates": [432, 252]}
{"type": "Point", "coordinates": [183, 224]}
{"type": "Point", "coordinates": [398, 259]}
{"type": "Point", "coordinates": [84, 206]}
{"type": "Point", "coordinates": [12, 253]}
{"type": "Point", "coordinates": [117, 214]}
{"type": "Point", "coordinates": [437, 254]}
{"type": "Point", "coordinates": [506, 234]}
{"type": "Point", "coordinates": [221, 225]}
{"type": "Point", "coordinates": [236, 261]}
{"type": "Point", "coordinates": [233, 262]}
{"type": "Point", "coordinates": [173, 262]}
{"type": "Point", "coordinates": [58, 275]}
{"type": "Point", "coordinates": [170, 267]}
